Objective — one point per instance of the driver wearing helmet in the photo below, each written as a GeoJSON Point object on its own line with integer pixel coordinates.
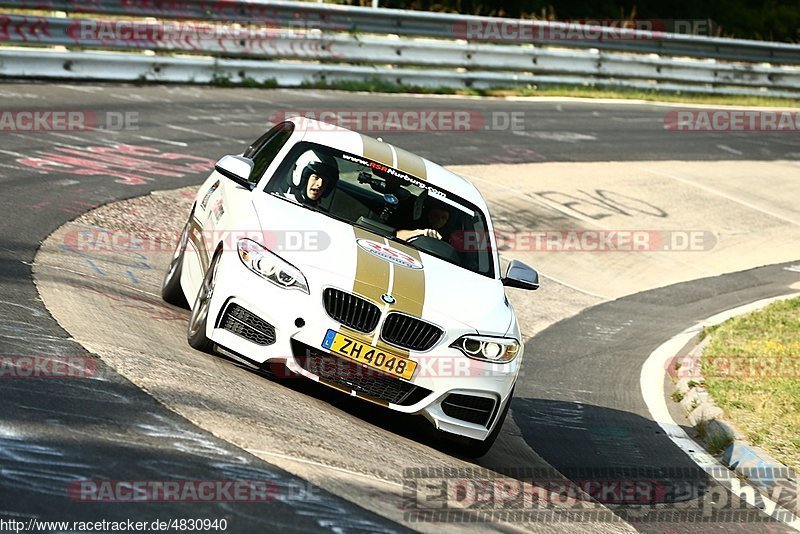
{"type": "Point", "coordinates": [314, 177]}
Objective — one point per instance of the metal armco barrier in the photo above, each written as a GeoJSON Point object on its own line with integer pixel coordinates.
{"type": "Point", "coordinates": [338, 18]}
{"type": "Point", "coordinates": [397, 44]}
{"type": "Point", "coordinates": [133, 67]}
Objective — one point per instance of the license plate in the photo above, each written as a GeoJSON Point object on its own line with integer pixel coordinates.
{"type": "Point", "coordinates": [368, 355]}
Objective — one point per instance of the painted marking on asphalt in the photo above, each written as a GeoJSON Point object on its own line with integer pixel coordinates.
{"type": "Point", "coordinates": [206, 118]}
{"type": "Point", "coordinates": [651, 382]}
{"type": "Point", "coordinates": [165, 141]}
{"type": "Point", "coordinates": [8, 432]}
{"type": "Point", "coordinates": [570, 286]}
{"type": "Point", "coordinates": [66, 136]}
{"type": "Point", "coordinates": [14, 94]}
{"type": "Point", "coordinates": [12, 153]}
{"type": "Point", "coordinates": [315, 94]}
{"type": "Point", "coordinates": [84, 274]}
{"type": "Point", "coordinates": [17, 514]}
{"type": "Point", "coordinates": [130, 97]}
{"type": "Point", "coordinates": [127, 164]}
{"type": "Point", "coordinates": [190, 130]}
{"type": "Point", "coordinates": [30, 466]}
{"type": "Point", "coordinates": [555, 206]}
{"type": "Point", "coordinates": [17, 168]}
{"type": "Point", "coordinates": [37, 140]}
{"type": "Point", "coordinates": [561, 137]}
{"type": "Point", "coordinates": [726, 148]}
{"type": "Point", "coordinates": [81, 88]}
{"type": "Point", "coordinates": [793, 268]}
{"type": "Point", "coordinates": [607, 332]}
{"type": "Point", "coordinates": [94, 266]}
{"type": "Point", "coordinates": [227, 139]}
{"type": "Point", "coordinates": [563, 392]}
{"type": "Point", "coordinates": [27, 332]}
{"type": "Point", "coordinates": [721, 194]}
{"type": "Point", "coordinates": [636, 119]}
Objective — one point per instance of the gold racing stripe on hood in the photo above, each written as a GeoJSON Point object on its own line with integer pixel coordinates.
{"type": "Point", "coordinates": [377, 151]}
{"type": "Point", "coordinates": [409, 285]}
{"type": "Point", "coordinates": [410, 163]}
{"type": "Point", "coordinates": [373, 279]}
{"type": "Point", "coordinates": [372, 273]}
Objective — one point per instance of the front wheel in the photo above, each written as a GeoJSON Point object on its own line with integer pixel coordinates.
{"type": "Point", "coordinates": [171, 290]}
{"type": "Point", "coordinates": [196, 332]}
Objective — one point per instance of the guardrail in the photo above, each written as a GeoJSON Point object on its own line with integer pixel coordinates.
{"type": "Point", "coordinates": [332, 42]}
{"type": "Point", "coordinates": [338, 18]}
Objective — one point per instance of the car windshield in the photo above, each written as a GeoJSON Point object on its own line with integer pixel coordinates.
{"type": "Point", "coordinates": [387, 202]}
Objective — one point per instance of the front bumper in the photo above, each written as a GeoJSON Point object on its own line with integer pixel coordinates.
{"type": "Point", "coordinates": [299, 321]}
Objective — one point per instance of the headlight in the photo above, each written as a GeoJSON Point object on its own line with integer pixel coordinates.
{"type": "Point", "coordinates": [487, 349]}
{"type": "Point", "coordinates": [270, 266]}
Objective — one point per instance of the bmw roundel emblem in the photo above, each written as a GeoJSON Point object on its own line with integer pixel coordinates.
{"type": "Point", "coordinates": [388, 299]}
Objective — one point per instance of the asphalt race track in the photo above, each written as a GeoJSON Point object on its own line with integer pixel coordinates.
{"type": "Point", "coordinates": [577, 408]}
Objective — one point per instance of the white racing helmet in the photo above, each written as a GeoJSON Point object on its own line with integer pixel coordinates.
{"type": "Point", "coordinates": [312, 162]}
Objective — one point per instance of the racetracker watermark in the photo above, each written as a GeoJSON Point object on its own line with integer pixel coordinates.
{"type": "Point", "coordinates": [427, 366]}
{"type": "Point", "coordinates": [587, 240]}
{"type": "Point", "coordinates": [100, 241]}
{"type": "Point", "coordinates": [67, 120]}
{"type": "Point", "coordinates": [409, 120]}
{"type": "Point", "coordinates": [185, 491]}
{"type": "Point", "coordinates": [132, 31]}
{"type": "Point", "coordinates": [591, 30]}
{"type": "Point", "coordinates": [736, 367]}
{"type": "Point", "coordinates": [47, 367]}
{"type": "Point", "coordinates": [292, 38]}
{"type": "Point", "coordinates": [604, 495]}
{"type": "Point", "coordinates": [125, 525]}
{"type": "Point", "coordinates": [717, 120]}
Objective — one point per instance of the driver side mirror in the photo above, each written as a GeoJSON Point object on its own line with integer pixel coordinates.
{"type": "Point", "coordinates": [521, 276]}
{"type": "Point", "coordinates": [237, 169]}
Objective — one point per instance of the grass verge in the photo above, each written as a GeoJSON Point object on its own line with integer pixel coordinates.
{"type": "Point", "coordinates": [752, 370]}
{"type": "Point", "coordinates": [382, 86]}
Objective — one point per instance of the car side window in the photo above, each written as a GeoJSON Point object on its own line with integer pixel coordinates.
{"type": "Point", "coordinates": [266, 147]}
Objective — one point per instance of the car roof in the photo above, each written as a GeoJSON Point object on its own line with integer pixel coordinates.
{"type": "Point", "coordinates": [368, 147]}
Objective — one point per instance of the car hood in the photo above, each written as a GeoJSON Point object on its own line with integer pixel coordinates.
{"type": "Point", "coordinates": [335, 253]}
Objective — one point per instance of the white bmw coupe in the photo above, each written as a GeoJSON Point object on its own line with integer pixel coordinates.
{"type": "Point", "coordinates": [361, 266]}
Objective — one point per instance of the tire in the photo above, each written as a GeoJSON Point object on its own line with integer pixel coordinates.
{"type": "Point", "coordinates": [475, 448]}
{"type": "Point", "coordinates": [196, 330]}
{"type": "Point", "coordinates": [171, 290]}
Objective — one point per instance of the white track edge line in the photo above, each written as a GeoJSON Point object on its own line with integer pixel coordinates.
{"type": "Point", "coordinates": [651, 382]}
